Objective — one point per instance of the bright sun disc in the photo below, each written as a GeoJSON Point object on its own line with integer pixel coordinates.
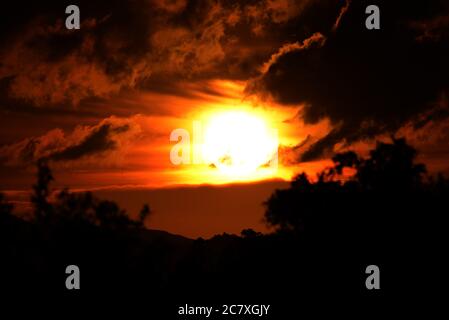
{"type": "Point", "coordinates": [238, 143]}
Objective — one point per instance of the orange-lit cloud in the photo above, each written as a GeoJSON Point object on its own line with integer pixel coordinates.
{"type": "Point", "coordinates": [121, 47]}
{"type": "Point", "coordinates": [139, 146]}
{"type": "Point", "coordinates": [160, 65]}
{"type": "Point", "coordinates": [100, 144]}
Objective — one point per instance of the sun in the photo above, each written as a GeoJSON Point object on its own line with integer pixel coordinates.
{"type": "Point", "coordinates": [238, 143]}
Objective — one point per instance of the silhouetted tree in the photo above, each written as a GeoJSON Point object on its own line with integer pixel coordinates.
{"type": "Point", "coordinates": [41, 191]}
{"type": "Point", "coordinates": [81, 207]}
{"type": "Point", "coordinates": [390, 168]}
{"type": "Point", "coordinates": [345, 160]}
{"type": "Point", "coordinates": [75, 207]}
{"type": "Point", "coordinates": [347, 224]}
{"type": "Point", "coordinates": [5, 207]}
{"type": "Point", "coordinates": [109, 215]}
{"type": "Point", "coordinates": [144, 213]}
{"type": "Point", "coordinates": [250, 233]}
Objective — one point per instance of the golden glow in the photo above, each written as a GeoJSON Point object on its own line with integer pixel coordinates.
{"type": "Point", "coordinates": [224, 104]}
{"type": "Point", "coordinates": [237, 143]}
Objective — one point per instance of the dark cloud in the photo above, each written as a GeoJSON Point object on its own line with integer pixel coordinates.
{"type": "Point", "coordinates": [47, 64]}
{"type": "Point", "coordinates": [98, 141]}
{"type": "Point", "coordinates": [313, 53]}
{"type": "Point", "coordinates": [365, 82]}
{"type": "Point", "coordinates": [128, 44]}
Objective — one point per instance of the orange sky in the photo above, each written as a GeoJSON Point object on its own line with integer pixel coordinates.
{"type": "Point", "coordinates": [101, 103]}
{"type": "Point", "coordinates": [143, 157]}
{"type": "Point", "coordinates": [154, 149]}
{"type": "Point", "coordinates": [183, 198]}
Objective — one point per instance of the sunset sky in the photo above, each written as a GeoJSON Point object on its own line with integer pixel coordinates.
{"type": "Point", "coordinates": [100, 103]}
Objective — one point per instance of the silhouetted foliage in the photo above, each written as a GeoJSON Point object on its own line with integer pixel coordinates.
{"type": "Point", "coordinates": [390, 168]}
{"type": "Point", "coordinates": [78, 207]}
{"type": "Point", "coordinates": [250, 233]}
{"type": "Point", "coordinates": [329, 230]}
{"type": "Point", "coordinates": [39, 198]}
{"type": "Point", "coordinates": [145, 212]}
{"type": "Point", "coordinates": [5, 207]}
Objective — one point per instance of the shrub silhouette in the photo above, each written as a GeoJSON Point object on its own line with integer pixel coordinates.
{"type": "Point", "coordinates": [41, 192]}
{"type": "Point", "coordinates": [78, 207]}
{"type": "Point", "coordinates": [144, 213]}
{"type": "Point", "coordinates": [388, 212]}
{"type": "Point", "coordinates": [5, 207]}
{"type": "Point", "coordinates": [389, 171]}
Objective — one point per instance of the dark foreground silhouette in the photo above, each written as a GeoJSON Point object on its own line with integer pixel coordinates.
{"type": "Point", "coordinates": [389, 214]}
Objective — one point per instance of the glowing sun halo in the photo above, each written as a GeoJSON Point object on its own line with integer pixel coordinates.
{"type": "Point", "coordinates": [238, 143]}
